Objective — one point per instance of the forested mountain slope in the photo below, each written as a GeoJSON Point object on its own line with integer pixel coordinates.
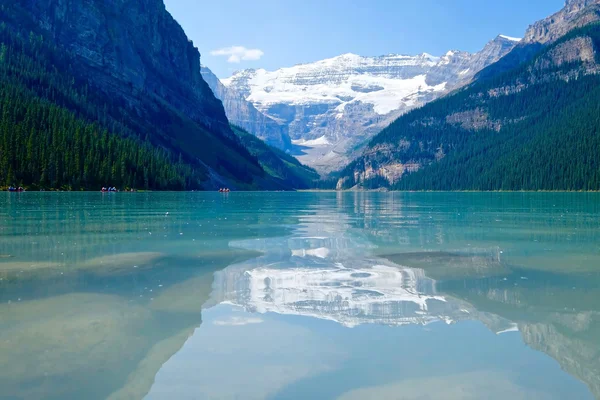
{"type": "Point", "coordinates": [95, 93]}
{"type": "Point", "coordinates": [285, 169]}
{"type": "Point", "coordinates": [533, 126]}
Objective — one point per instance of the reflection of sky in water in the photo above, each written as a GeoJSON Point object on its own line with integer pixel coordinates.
{"type": "Point", "coordinates": [296, 357]}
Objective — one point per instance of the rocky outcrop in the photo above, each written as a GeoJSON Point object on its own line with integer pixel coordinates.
{"type": "Point", "coordinates": [493, 51]}
{"type": "Point", "coordinates": [575, 14]}
{"type": "Point", "coordinates": [391, 172]}
{"type": "Point", "coordinates": [579, 49]}
{"type": "Point", "coordinates": [243, 114]}
{"type": "Point", "coordinates": [473, 120]}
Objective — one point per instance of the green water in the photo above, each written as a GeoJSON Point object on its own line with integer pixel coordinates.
{"type": "Point", "coordinates": [299, 296]}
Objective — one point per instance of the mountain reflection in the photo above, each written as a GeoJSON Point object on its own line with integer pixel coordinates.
{"type": "Point", "coordinates": [556, 313]}
{"type": "Point", "coordinates": [107, 326]}
{"type": "Point", "coordinates": [379, 294]}
{"type": "Point", "coordinates": [326, 278]}
{"type": "Point", "coordinates": [323, 273]}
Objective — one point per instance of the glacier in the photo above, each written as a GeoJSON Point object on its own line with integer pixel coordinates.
{"type": "Point", "coordinates": [330, 107]}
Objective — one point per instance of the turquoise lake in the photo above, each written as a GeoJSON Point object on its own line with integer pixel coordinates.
{"type": "Point", "coordinates": [299, 296]}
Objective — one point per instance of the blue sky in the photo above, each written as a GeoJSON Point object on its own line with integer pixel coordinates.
{"type": "Point", "coordinates": [239, 34]}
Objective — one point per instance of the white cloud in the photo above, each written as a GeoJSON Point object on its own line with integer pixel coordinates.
{"type": "Point", "coordinates": [238, 54]}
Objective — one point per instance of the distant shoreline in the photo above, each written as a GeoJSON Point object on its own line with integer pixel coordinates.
{"type": "Point", "coordinates": [448, 191]}
{"type": "Point", "coordinates": [306, 191]}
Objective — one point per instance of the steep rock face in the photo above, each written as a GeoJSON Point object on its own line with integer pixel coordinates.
{"type": "Point", "coordinates": [243, 114]}
{"type": "Point", "coordinates": [575, 14]}
{"type": "Point", "coordinates": [576, 50]}
{"type": "Point", "coordinates": [492, 52]}
{"type": "Point", "coordinates": [127, 47]}
{"type": "Point", "coordinates": [334, 105]}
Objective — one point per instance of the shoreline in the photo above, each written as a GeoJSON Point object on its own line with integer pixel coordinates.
{"type": "Point", "coordinates": [303, 191]}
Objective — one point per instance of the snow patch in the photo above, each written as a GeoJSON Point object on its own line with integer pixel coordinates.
{"type": "Point", "coordinates": [333, 82]}
{"type": "Point", "coordinates": [322, 141]}
{"type": "Point", "coordinates": [512, 39]}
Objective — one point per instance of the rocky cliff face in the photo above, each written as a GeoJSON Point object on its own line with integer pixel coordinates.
{"type": "Point", "coordinates": [577, 50]}
{"type": "Point", "coordinates": [243, 114]}
{"type": "Point", "coordinates": [128, 47]}
{"type": "Point", "coordinates": [333, 105]}
{"type": "Point", "coordinates": [575, 14]}
{"type": "Point", "coordinates": [491, 53]}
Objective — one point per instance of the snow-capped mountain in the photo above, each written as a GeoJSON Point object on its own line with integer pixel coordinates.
{"type": "Point", "coordinates": [332, 105]}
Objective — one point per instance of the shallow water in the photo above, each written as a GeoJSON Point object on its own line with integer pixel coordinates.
{"type": "Point", "coordinates": [299, 295]}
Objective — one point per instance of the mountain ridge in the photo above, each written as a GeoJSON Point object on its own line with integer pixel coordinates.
{"type": "Point", "coordinates": [344, 100]}
{"type": "Point", "coordinates": [529, 125]}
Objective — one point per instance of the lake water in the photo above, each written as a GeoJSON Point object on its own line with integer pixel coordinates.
{"type": "Point", "coordinates": [299, 296]}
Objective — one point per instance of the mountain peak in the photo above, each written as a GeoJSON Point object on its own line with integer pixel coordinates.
{"type": "Point", "coordinates": [427, 55]}
{"type": "Point", "coordinates": [509, 38]}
